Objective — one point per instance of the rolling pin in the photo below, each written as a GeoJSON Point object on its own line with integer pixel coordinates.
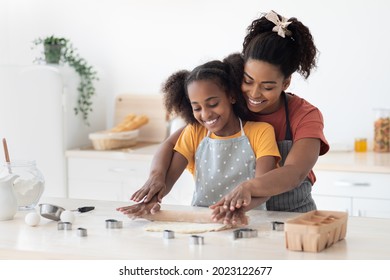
{"type": "Point", "coordinates": [179, 216]}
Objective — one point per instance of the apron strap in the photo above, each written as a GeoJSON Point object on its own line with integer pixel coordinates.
{"type": "Point", "coordinates": [242, 129]}
{"type": "Point", "coordinates": [288, 135]}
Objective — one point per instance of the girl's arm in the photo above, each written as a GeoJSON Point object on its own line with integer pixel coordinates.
{"type": "Point", "coordinates": [158, 170]}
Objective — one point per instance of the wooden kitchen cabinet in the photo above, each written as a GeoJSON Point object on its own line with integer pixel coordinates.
{"type": "Point", "coordinates": [352, 183]}
{"type": "Point", "coordinates": [116, 175]}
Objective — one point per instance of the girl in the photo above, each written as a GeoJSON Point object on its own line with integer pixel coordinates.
{"type": "Point", "coordinates": [218, 146]}
{"type": "Point", "coordinates": [274, 48]}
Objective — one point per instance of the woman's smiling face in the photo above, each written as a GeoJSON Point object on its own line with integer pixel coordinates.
{"type": "Point", "coordinates": [262, 86]}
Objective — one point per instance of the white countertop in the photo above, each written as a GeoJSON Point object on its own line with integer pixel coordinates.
{"type": "Point", "coordinates": [354, 162]}
{"type": "Point", "coordinates": [370, 162]}
{"type": "Point", "coordinates": [142, 150]}
{"type": "Point", "coordinates": [367, 238]}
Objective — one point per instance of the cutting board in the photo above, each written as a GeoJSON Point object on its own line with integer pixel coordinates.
{"type": "Point", "coordinates": [156, 130]}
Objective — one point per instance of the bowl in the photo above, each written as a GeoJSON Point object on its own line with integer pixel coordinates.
{"type": "Point", "coordinates": [106, 140]}
{"type": "Point", "coordinates": [50, 211]}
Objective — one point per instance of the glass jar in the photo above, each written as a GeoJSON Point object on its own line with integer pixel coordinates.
{"type": "Point", "coordinates": [382, 131]}
{"type": "Point", "coordinates": [360, 145]}
{"type": "Point", "coordinates": [29, 185]}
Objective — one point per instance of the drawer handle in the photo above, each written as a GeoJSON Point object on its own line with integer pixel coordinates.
{"type": "Point", "coordinates": [351, 184]}
{"type": "Point", "coordinates": [121, 170]}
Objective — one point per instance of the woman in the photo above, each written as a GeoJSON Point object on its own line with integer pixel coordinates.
{"type": "Point", "coordinates": [274, 48]}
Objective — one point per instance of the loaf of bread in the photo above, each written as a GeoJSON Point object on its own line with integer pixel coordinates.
{"type": "Point", "coordinates": [131, 122]}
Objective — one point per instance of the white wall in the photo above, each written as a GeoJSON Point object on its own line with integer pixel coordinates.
{"type": "Point", "coordinates": [136, 44]}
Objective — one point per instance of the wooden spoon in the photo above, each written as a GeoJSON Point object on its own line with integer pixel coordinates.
{"type": "Point", "coordinates": [7, 155]}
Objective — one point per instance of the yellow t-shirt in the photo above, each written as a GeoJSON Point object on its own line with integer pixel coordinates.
{"type": "Point", "coordinates": [261, 136]}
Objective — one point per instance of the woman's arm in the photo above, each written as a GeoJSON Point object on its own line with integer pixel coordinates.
{"type": "Point", "coordinates": [301, 159]}
{"type": "Point", "coordinates": [158, 170]}
{"type": "Point", "coordinates": [176, 168]}
{"type": "Point", "coordinates": [299, 162]}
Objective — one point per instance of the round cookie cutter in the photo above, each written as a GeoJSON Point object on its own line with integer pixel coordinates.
{"type": "Point", "coordinates": [168, 234]}
{"type": "Point", "coordinates": [64, 226]}
{"type": "Point", "coordinates": [196, 240]}
{"type": "Point", "coordinates": [82, 232]}
{"type": "Point", "coordinates": [112, 223]}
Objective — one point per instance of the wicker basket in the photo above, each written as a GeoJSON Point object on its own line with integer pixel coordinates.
{"type": "Point", "coordinates": [106, 140]}
{"type": "Point", "coordinates": [315, 230]}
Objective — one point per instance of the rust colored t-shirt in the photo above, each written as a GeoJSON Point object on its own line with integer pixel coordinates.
{"type": "Point", "coordinates": [306, 121]}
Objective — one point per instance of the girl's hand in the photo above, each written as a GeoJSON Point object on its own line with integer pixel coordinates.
{"type": "Point", "coordinates": [141, 209]}
{"type": "Point", "coordinates": [154, 185]}
{"type": "Point", "coordinates": [237, 198]}
{"type": "Point", "coordinates": [227, 217]}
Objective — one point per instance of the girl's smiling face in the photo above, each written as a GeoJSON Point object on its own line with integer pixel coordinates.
{"type": "Point", "coordinates": [262, 86]}
{"type": "Point", "coordinates": [213, 107]}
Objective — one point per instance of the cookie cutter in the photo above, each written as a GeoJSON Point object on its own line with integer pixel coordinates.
{"type": "Point", "coordinates": [81, 232]}
{"type": "Point", "coordinates": [64, 226]}
{"type": "Point", "coordinates": [196, 240]}
{"type": "Point", "coordinates": [278, 226]}
{"type": "Point", "coordinates": [244, 233]}
{"type": "Point", "coordinates": [168, 234]}
{"type": "Point", "coordinates": [112, 223]}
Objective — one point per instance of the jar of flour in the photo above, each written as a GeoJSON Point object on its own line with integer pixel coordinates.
{"type": "Point", "coordinates": [29, 184]}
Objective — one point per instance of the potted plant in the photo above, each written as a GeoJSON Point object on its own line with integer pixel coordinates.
{"type": "Point", "coordinates": [60, 50]}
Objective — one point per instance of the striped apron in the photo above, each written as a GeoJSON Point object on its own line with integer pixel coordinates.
{"type": "Point", "coordinates": [299, 199]}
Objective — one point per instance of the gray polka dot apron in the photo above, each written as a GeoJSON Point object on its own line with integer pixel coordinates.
{"type": "Point", "coordinates": [299, 199]}
{"type": "Point", "coordinates": [220, 165]}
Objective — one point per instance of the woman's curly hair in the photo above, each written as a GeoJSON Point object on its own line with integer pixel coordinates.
{"type": "Point", "coordinates": [292, 53]}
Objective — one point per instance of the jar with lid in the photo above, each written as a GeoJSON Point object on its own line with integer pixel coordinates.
{"type": "Point", "coordinates": [29, 183]}
{"type": "Point", "coordinates": [382, 130]}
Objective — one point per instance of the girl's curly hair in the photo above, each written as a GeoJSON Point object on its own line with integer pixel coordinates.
{"type": "Point", "coordinates": [227, 74]}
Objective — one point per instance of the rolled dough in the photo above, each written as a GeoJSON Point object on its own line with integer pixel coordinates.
{"type": "Point", "coordinates": [180, 216]}
{"type": "Point", "coordinates": [185, 227]}
{"type": "Point", "coordinates": [183, 221]}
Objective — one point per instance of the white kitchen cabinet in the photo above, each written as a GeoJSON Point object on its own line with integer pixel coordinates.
{"type": "Point", "coordinates": [327, 202]}
{"type": "Point", "coordinates": [116, 175]}
{"type": "Point", "coordinates": [359, 193]}
{"type": "Point", "coordinates": [105, 179]}
{"type": "Point", "coordinates": [379, 208]}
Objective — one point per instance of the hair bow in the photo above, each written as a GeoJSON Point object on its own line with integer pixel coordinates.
{"type": "Point", "coordinates": [280, 25]}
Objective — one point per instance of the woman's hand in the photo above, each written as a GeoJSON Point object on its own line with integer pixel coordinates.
{"type": "Point", "coordinates": [239, 197]}
{"type": "Point", "coordinates": [227, 217]}
{"type": "Point", "coordinates": [159, 167]}
{"type": "Point", "coordinates": [154, 185]}
{"type": "Point", "coordinates": [142, 208]}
